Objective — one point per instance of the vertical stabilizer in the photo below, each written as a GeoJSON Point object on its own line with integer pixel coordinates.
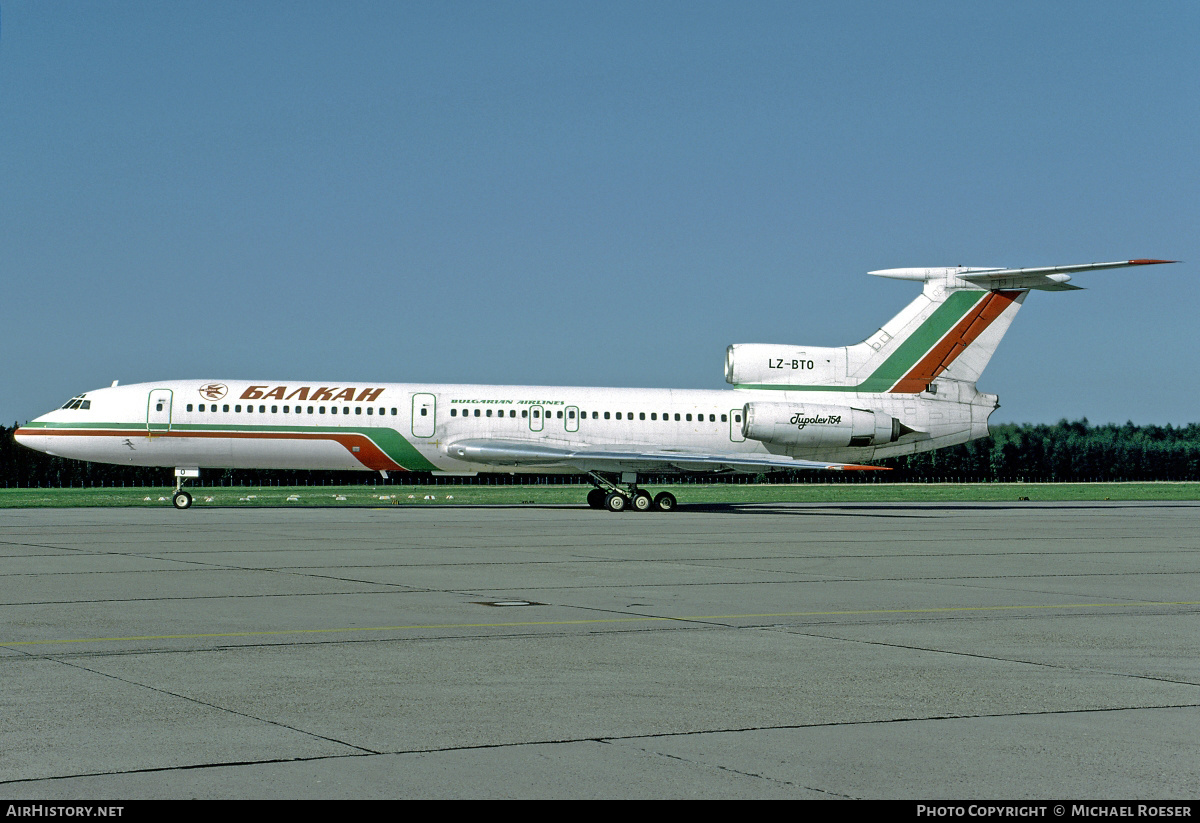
{"type": "Point", "coordinates": [949, 331]}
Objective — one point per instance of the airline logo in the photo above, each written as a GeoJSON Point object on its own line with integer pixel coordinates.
{"type": "Point", "coordinates": [213, 391]}
{"type": "Point", "coordinates": [327, 393]}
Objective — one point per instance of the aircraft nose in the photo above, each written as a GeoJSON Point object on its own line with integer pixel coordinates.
{"type": "Point", "coordinates": [23, 436]}
{"type": "Point", "coordinates": [26, 435]}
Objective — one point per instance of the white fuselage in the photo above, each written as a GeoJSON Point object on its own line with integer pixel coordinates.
{"type": "Point", "coordinates": [382, 427]}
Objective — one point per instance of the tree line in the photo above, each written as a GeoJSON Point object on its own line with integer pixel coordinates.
{"type": "Point", "coordinates": [1065, 451]}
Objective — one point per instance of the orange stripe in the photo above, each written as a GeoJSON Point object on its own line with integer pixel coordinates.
{"type": "Point", "coordinates": [939, 358]}
{"type": "Point", "coordinates": [368, 453]}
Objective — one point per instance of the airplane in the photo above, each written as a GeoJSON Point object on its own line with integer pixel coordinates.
{"type": "Point", "coordinates": [908, 388]}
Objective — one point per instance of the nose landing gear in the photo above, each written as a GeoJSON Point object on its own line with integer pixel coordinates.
{"type": "Point", "coordinates": [181, 499]}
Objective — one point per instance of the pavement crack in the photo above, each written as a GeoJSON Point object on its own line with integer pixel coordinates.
{"type": "Point", "coordinates": [199, 702]}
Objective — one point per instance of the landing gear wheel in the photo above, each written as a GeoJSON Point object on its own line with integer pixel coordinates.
{"type": "Point", "coordinates": [664, 502]}
{"type": "Point", "coordinates": [642, 501]}
{"type": "Point", "coordinates": [595, 498]}
{"type": "Point", "coordinates": [182, 500]}
{"type": "Point", "coordinates": [615, 502]}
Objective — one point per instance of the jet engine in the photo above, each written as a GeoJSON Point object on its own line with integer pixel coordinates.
{"type": "Point", "coordinates": [769, 364]}
{"type": "Point", "coordinates": [810, 424]}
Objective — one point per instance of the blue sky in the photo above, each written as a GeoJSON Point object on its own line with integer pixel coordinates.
{"type": "Point", "coordinates": [588, 193]}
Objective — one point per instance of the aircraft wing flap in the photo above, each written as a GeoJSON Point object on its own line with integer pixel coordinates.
{"type": "Point", "coordinates": [535, 455]}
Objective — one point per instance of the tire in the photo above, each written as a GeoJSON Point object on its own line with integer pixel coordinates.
{"type": "Point", "coordinates": [615, 502]}
{"type": "Point", "coordinates": [595, 498]}
{"type": "Point", "coordinates": [642, 502]}
{"type": "Point", "coordinates": [181, 500]}
{"type": "Point", "coordinates": [665, 502]}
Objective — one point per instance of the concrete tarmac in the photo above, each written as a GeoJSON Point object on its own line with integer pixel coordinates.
{"type": "Point", "coordinates": [970, 651]}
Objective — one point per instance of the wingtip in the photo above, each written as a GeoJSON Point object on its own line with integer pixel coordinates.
{"type": "Point", "coordinates": [1146, 261]}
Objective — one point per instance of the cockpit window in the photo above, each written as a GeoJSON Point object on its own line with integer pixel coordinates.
{"type": "Point", "coordinates": [77, 402]}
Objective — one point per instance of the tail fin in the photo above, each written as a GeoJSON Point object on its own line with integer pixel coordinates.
{"type": "Point", "coordinates": [950, 330]}
{"type": "Point", "coordinates": [975, 307]}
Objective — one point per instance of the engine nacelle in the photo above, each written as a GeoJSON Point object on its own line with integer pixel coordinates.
{"type": "Point", "coordinates": [810, 424]}
{"type": "Point", "coordinates": [770, 364]}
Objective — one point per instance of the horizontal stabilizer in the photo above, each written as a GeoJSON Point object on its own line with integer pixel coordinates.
{"type": "Point", "coordinates": [1045, 278]}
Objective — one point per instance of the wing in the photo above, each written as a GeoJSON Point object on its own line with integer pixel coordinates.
{"type": "Point", "coordinates": [536, 455]}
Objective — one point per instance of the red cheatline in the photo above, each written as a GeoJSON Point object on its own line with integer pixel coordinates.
{"type": "Point", "coordinates": [939, 358]}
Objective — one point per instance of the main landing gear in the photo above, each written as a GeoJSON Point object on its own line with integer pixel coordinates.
{"type": "Point", "coordinates": [609, 495]}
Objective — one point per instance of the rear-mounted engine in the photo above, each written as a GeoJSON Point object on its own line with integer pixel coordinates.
{"type": "Point", "coordinates": [751, 364]}
{"type": "Point", "coordinates": [809, 424]}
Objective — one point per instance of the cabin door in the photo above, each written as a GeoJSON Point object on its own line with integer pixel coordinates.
{"type": "Point", "coordinates": [735, 425]}
{"type": "Point", "coordinates": [424, 408]}
{"type": "Point", "coordinates": [158, 411]}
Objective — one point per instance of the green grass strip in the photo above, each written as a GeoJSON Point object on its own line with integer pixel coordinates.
{"type": "Point", "coordinates": [687, 493]}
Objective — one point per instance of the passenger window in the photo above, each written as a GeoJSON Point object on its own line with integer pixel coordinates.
{"type": "Point", "coordinates": [737, 418]}
{"type": "Point", "coordinates": [618, 415]}
{"type": "Point", "coordinates": [641, 415]}
{"type": "Point", "coordinates": [595, 415]}
{"type": "Point", "coordinates": [274, 410]}
{"type": "Point", "coordinates": [712, 418]}
{"type": "Point", "coordinates": [320, 409]}
{"type": "Point", "coordinates": [536, 413]}
{"type": "Point", "coordinates": [689, 417]}
{"type": "Point", "coordinates": [724, 418]}
{"type": "Point", "coordinates": [454, 412]}
{"type": "Point", "coordinates": [489, 412]}
{"type": "Point", "coordinates": [524, 412]}
{"type": "Point", "coordinates": [237, 408]}
{"type": "Point", "coordinates": [512, 412]}
{"type": "Point", "coordinates": [262, 409]}
{"type": "Point", "coordinates": [286, 409]}
{"type": "Point", "coordinates": [358, 409]}
{"type": "Point", "coordinates": [677, 417]}
{"type": "Point", "coordinates": [225, 407]}
{"type": "Point", "coordinates": [570, 415]}
{"type": "Point", "coordinates": [653, 415]}
{"type": "Point", "coordinates": [559, 415]}
{"type": "Point", "coordinates": [606, 415]}
{"type": "Point", "coordinates": [477, 412]}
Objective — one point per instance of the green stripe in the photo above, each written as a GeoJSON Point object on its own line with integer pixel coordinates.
{"type": "Point", "coordinates": [906, 355]}
{"type": "Point", "coordinates": [389, 441]}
